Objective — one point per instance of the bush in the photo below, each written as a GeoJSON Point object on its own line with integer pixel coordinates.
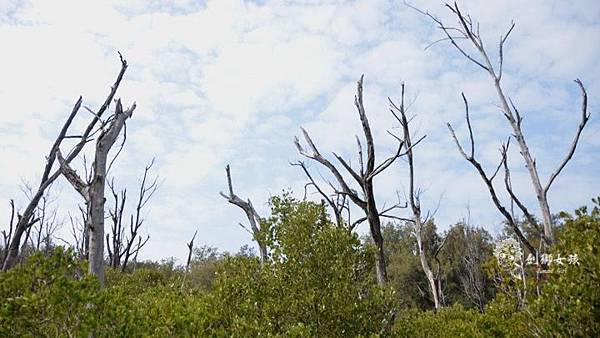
{"type": "Point", "coordinates": [47, 297]}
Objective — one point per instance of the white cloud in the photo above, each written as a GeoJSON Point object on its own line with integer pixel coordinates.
{"type": "Point", "coordinates": [231, 82]}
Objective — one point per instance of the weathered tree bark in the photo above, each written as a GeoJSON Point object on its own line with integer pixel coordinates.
{"type": "Point", "coordinates": [93, 192]}
{"type": "Point", "coordinates": [364, 179]}
{"type": "Point", "coordinates": [253, 218]}
{"type": "Point", "coordinates": [466, 31]}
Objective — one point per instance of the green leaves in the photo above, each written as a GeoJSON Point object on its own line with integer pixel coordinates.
{"type": "Point", "coordinates": [319, 281]}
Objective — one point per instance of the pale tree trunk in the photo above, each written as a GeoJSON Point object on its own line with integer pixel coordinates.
{"type": "Point", "coordinates": [433, 287]}
{"type": "Point", "coordinates": [93, 192]}
{"type": "Point", "coordinates": [413, 198]}
{"type": "Point", "coordinates": [467, 31]}
{"type": "Point", "coordinates": [96, 235]}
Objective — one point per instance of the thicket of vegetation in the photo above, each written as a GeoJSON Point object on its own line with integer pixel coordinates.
{"type": "Point", "coordinates": [320, 281]}
{"type": "Point", "coordinates": [313, 275]}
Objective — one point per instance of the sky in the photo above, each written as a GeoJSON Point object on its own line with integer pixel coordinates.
{"type": "Point", "coordinates": [231, 82]}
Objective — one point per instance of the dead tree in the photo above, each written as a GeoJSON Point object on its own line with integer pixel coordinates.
{"type": "Point", "coordinates": [121, 247]}
{"type": "Point", "coordinates": [468, 31]}
{"type": "Point", "coordinates": [364, 178]}
{"type": "Point", "coordinates": [256, 230]}
{"type": "Point", "coordinates": [26, 220]}
{"type": "Point", "coordinates": [49, 175]}
{"type": "Point", "coordinates": [488, 179]}
{"type": "Point", "coordinates": [39, 235]}
{"type": "Point", "coordinates": [93, 190]}
{"type": "Point", "coordinates": [414, 201]}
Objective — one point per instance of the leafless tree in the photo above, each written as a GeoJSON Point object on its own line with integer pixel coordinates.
{"type": "Point", "coordinates": [467, 30]}
{"type": "Point", "coordinates": [418, 220]}
{"type": "Point", "coordinates": [50, 174]}
{"type": "Point", "coordinates": [121, 247]}
{"type": "Point", "coordinates": [27, 219]}
{"type": "Point", "coordinates": [45, 229]}
{"type": "Point", "coordinates": [93, 189]}
{"type": "Point", "coordinates": [39, 235]}
{"type": "Point", "coordinates": [364, 178]}
{"type": "Point", "coordinates": [256, 230]}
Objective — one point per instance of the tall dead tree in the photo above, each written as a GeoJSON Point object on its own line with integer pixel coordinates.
{"type": "Point", "coordinates": [364, 178]}
{"type": "Point", "coordinates": [93, 191]}
{"type": "Point", "coordinates": [467, 30]}
{"type": "Point", "coordinates": [256, 230]}
{"type": "Point", "coordinates": [414, 201]}
{"type": "Point", "coordinates": [50, 174]}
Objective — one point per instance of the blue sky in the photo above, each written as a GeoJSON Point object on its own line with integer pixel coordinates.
{"type": "Point", "coordinates": [223, 82]}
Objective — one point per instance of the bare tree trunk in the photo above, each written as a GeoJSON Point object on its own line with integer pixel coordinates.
{"type": "Point", "coordinates": [96, 258]}
{"type": "Point", "coordinates": [93, 192]}
{"type": "Point", "coordinates": [414, 200]}
{"type": "Point", "coordinates": [431, 280]}
{"type": "Point", "coordinates": [375, 230]}
{"type": "Point", "coordinates": [468, 32]}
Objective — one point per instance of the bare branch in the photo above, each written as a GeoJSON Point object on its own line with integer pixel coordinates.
{"type": "Point", "coordinates": [336, 210]}
{"type": "Point", "coordinates": [251, 214]}
{"type": "Point", "coordinates": [585, 116]}
{"type": "Point", "coordinates": [508, 186]}
{"type": "Point", "coordinates": [190, 246]}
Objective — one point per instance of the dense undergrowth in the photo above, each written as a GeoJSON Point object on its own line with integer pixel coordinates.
{"type": "Point", "coordinates": [319, 282]}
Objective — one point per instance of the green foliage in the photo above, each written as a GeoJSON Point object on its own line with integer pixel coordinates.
{"type": "Point", "coordinates": [404, 268]}
{"type": "Point", "coordinates": [45, 296]}
{"type": "Point", "coordinates": [319, 281]}
{"type": "Point", "coordinates": [570, 304]}
{"type": "Point", "coordinates": [501, 319]}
